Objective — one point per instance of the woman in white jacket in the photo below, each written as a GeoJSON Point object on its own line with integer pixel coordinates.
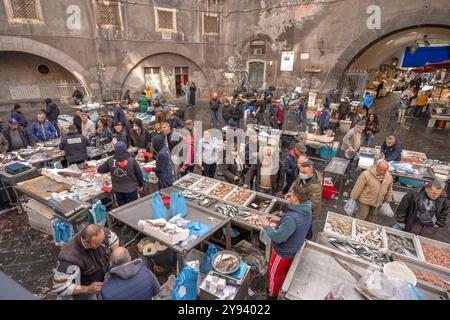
{"type": "Point", "coordinates": [208, 153]}
{"type": "Point", "coordinates": [87, 126]}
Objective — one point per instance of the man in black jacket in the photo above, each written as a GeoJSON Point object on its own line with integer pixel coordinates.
{"type": "Point", "coordinates": [17, 136]}
{"type": "Point", "coordinates": [174, 121]}
{"type": "Point", "coordinates": [168, 141]}
{"type": "Point", "coordinates": [74, 146]}
{"type": "Point", "coordinates": [126, 175]}
{"type": "Point", "coordinates": [52, 112]}
{"type": "Point", "coordinates": [227, 112]}
{"type": "Point", "coordinates": [119, 112]}
{"type": "Point", "coordinates": [423, 210]}
{"type": "Point", "coordinates": [236, 112]}
{"type": "Point", "coordinates": [77, 121]}
{"type": "Point", "coordinates": [120, 134]}
{"type": "Point", "coordinates": [260, 107]}
{"type": "Point", "coordinates": [391, 149]}
{"type": "Point", "coordinates": [77, 96]}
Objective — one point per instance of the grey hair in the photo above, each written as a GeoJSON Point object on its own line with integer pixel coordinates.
{"type": "Point", "coordinates": [434, 184]}
{"type": "Point", "coordinates": [390, 137]}
{"type": "Point", "coordinates": [308, 164]}
{"type": "Point", "coordinates": [90, 231]}
{"type": "Point", "coordinates": [165, 124]}
{"type": "Point", "coordinates": [119, 257]}
{"type": "Point", "coordinates": [382, 161]}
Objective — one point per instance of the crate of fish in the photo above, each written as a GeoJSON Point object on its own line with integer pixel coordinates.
{"type": "Point", "coordinates": [240, 196]}
{"type": "Point", "coordinates": [204, 185]}
{"type": "Point", "coordinates": [187, 181]}
{"type": "Point", "coordinates": [402, 243]}
{"type": "Point", "coordinates": [435, 252]}
{"type": "Point", "coordinates": [368, 233]}
{"type": "Point", "coordinates": [260, 203]}
{"type": "Point", "coordinates": [278, 207]}
{"type": "Point", "coordinates": [201, 199]}
{"type": "Point", "coordinates": [339, 224]}
{"type": "Point", "coordinates": [227, 210]}
{"type": "Point", "coordinates": [221, 190]}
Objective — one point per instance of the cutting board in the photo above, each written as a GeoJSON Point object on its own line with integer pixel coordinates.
{"type": "Point", "coordinates": [43, 187]}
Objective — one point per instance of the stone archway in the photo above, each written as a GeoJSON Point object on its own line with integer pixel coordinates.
{"type": "Point", "coordinates": [20, 44]}
{"type": "Point", "coordinates": [439, 18]}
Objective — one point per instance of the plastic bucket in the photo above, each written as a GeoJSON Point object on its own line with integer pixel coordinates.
{"type": "Point", "coordinates": [328, 192]}
{"type": "Point", "coordinates": [400, 271]}
{"type": "Point", "coordinates": [326, 154]}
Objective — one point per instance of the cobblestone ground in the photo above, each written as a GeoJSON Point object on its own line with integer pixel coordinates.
{"type": "Point", "coordinates": [29, 256]}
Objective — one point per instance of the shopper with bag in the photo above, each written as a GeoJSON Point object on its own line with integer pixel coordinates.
{"type": "Point", "coordinates": [373, 187]}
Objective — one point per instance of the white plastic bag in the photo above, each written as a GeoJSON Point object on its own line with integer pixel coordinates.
{"type": "Point", "coordinates": [350, 207]}
{"type": "Point", "coordinates": [386, 210]}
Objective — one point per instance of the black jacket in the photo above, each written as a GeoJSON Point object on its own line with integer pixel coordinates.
{"type": "Point", "coordinates": [119, 115]}
{"type": "Point", "coordinates": [176, 123]}
{"type": "Point", "coordinates": [214, 104]}
{"type": "Point", "coordinates": [75, 147]}
{"type": "Point", "coordinates": [227, 112]}
{"type": "Point", "coordinates": [393, 153]}
{"type": "Point", "coordinates": [255, 170]}
{"type": "Point", "coordinates": [77, 122]}
{"type": "Point", "coordinates": [20, 117]}
{"type": "Point", "coordinates": [52, 111]}
{"type": "Point", "coordinates": [26, 139]}
{"type": "Point", "coordinates": [237, 112]}
{"type": "Point", "coordinates": [140, 140]}
{"type": "Point", "coordinates": [407, 209]}
{"type": "Point", "coordinates": [122, 136]}
{"type": "Point", "coordinates": [230, 171]}
{"type": "Point", "coordinates": [126, 175]}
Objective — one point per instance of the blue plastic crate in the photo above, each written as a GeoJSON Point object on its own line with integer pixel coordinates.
{"type": "Point", "coordinates": [325, 153]}
{"type": "Point", "coordinates": [410, 182]}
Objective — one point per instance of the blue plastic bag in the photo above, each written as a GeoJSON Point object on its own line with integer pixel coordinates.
{"type": "Point", "coordinates": [205, 268]}
{"type": "Point", "coordinates": [97, 214]}
{"type": "Point", "coordinates": [62, 232]}
{"type": "Point", "coordinates": [178, 204]}
{"type": "Point", "coordinates": [186, 285]}
{"type": "Point", "coordinates": [158, 208]}
{"type": "Point", "coordinates": [197, 228]}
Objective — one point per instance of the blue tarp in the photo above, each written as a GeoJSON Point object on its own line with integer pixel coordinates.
{"type": "Point", "coordinates": [425, 55]}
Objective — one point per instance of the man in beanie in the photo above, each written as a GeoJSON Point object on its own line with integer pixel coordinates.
{"type": "Point", "coordinates": [16, 113]}
{"type": "Point", "coordinates": [163, 167]}
{"type": "Point", "coordinates": [139, 135]}
{"type": "Point", "coordinates": [17, 136]}
{"type": "Point", "coordinates": [74, 146]}
{"type": "Point", "coordinates": [126, 175]}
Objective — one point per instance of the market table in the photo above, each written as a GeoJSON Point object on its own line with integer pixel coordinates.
{"type": "Point", "coordinates": [426, 176]}
{"type": "Point", "coordinates": [435, 117]}
{"type": "Point", "coordinates": [337, 166]}
{"type": "Point", "coordinates": [9, 181]}
{"type": "Point", "coordinates": [131, 213]}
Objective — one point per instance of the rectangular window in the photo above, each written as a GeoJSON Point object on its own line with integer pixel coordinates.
{"type": "Point", "coordinates": [165, 20]}
{"type": "Point", "coordinates": [108, 14]}
{"type": "Point", "coordinates": [211, 24]}
{"type": "Point", "coordinates": [24, 11]}
{"type": "Point", "coordinates": [258, 48]}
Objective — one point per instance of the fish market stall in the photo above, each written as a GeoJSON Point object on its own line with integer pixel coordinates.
{"type": "Point", "coordinates": [411, 174]}
{"type": "Point", "coordinates": [317, 269]}
{"type": "Point", "coordinates": [140, 210]}
{"type": "Point", "coordinates": [440, 113]}
{"type": "Point", "coordinates": [368, 156]}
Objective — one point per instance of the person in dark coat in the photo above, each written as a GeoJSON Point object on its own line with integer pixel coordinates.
{"type": "Point", "coordinates": [129, 121]}
{"type": "Point", "coordinates": [127, 97]}
{"type": "Point", "coordinates": [167, 132]}
{"type": "Point", "coordinates": [391, 149]}
{"type": "Point", "coordinates": [163, 167]}
{"type": "Point", "coordinates": [75, 146]}
{"type": "Point", "coordinates": [288, 237]}
{"type": "Point", "coordinates": [77, 121]}
{"type": "Point", "coordinates": [77, 96]}
{"type": "Point", "coordinates": [214, 105]}
{"type": "Point", "coordinates": [370, 130]}
{"type": "Point", "coordinates": [344, 108]}
{"type": "Point", "coordinates": [324, 118]}
{"type": "Point", "coordinates": [227, 112]}
{"type": "Point", "coordinates": [119, 112]}
{"type": "Point", "coordinates": [17, 114]}
{"type": "Point", "coordinates": [278, 117]}
{"type": "Point", "coordinates": [424, 210]}
{"type": "Point", "coordinates": [290, 164]}
{"type": "Point", "coordinates": [128, 280]}
{"type": "Point", "coordinates": [17, 136]}
{"type": "Point", "coordinates": [236, 112]}
{"type": "Point", "coordinates": [192, 90]}
{"type": "Point", "coordinates": [120, 134]}
{"type": "Point", "coordinates": [126, 175]}
{"type": "Point", "coordinates": [52, 112]}
{"type": "Point", "coordinates": [235, 172]}
{"type": "Point", "coordinates": [103, 134]}
{"type": "Point", "coordinates": [174, 121]}
{"type": "Point", "coordinates": [139, 135]}
{"type": "Point", "coordinates": [260, 109]}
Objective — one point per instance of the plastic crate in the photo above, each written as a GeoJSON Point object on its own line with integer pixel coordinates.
{"type": "Point", "coordinates": [325, 153]}
{"type": "Point", "coordinates": [410, 182]}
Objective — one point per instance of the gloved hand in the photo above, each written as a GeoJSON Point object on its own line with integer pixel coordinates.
{"type": "Point", "coordinates": [148, 169]}
{"type": "Point", "coordinates": [147, 154]}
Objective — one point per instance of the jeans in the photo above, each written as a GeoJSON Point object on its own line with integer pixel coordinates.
{"type": "Point", "coordinates": [209, 170]}
{"type": "Point", "coordinates": [124, 198]}
{"type": "Point", "coordinates": [228, 122]}
{"type": "Point", "coordinates": [214, 116]}
{"type": "Point", "coordinates": [189, 169]}
{"type": "Point", "coordinates": [401, 115]}
{"type": "Point", "coordinates": [298, 117]}
{"type": "Point", "coordinates": [368, 141]}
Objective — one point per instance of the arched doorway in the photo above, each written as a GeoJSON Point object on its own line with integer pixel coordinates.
{"type": "Point", "coordinates": [256, 73]}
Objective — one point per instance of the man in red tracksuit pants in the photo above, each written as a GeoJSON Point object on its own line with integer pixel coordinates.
{"type": "Point", "coordinates": [288, 237]}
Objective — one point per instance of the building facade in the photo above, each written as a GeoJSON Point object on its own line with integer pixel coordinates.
{"type": "Point", "coordinates": [106, 47]}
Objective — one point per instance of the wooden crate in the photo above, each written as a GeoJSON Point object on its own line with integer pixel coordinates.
{"type": "Point", "coordinates": [40, 216]}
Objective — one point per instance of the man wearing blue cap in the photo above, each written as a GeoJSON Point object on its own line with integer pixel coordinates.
{"type": "Point", "coordinates": [126, 175]}
{"type": "Point", "coordinates": [16, 136]}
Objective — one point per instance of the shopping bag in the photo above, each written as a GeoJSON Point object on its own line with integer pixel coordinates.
{"type": "Point", "coordinates": [207, 263]}
{"type": "Point", "coordinates": [186, 285]}
{"type": "Point", "coordinates": [158, 208]}
{"type": "Point", "coordinates": [178, 204]}
{"type": "Point", "coordinates": [97, 214]}
{"type": "Point", "coordinates": [350, 207]}
{"type": "Point", "coordinates": [386, 210]}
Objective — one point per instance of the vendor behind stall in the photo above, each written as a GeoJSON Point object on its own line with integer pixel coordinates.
{"type": "Point", "coordinates": [139, 135]}
{"type": "Point", "coordinates": [42, 129]}
{"type": "Point", "coordinates": [74, 146]}
{"type": "Point", "coordinates": [17, 136]}
{"type": "Point", "coordinates": [84, 260]}
{"type": "Point", "coordinates": [126, 175]}
{"type": "Point", "coordinates": [163, 167]}
{"type": "Point", "coordinates": [424, 210]}
{"type": "Point", "coordinates": [288, 237]}
{"type": "Point", "coordinates": [391, 149]}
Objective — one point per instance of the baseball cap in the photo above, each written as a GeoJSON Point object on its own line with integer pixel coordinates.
{"type": "Point", "coordinates": [13, 121]}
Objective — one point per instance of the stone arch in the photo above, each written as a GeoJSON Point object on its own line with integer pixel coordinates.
{"type": "Point", "coordinates": [417, 19]}
{"type": "Point", "coordinates": [137, 56]}
{"type": "Point", "coordinates": [20, 44]}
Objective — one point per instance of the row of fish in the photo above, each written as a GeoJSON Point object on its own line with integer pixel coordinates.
{"type": "Point", "coordinates": [227, 210]}
{"type": "Point", "coordinates": [202, 200]}
{"type": "Point", "coordinates": [187, 181]}
{"type": "Point", "coordinates": [373, 237]}
{"type": "Point", "coordinates": [203, 185]}
{"type": "Point", "coordinates": [360, 251]}
{"type": "Point", "coordinates": [401, 245]}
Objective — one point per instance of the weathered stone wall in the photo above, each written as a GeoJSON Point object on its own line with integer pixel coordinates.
{"type": "Point", "coordinates": [102, 59]}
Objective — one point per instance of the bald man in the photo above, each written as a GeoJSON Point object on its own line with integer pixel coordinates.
{"type": "Point", "coordinates": [129, 279]}
{"type": "Point", "coordinates": [214, 104]}
{"type": "Point", "coordinates": [372, 189]}
{"type": "Point", "coordinates": [83, 262]}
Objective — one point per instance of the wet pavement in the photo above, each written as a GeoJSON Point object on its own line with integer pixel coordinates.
{"type": "Point", "coordinates": [29, 256]}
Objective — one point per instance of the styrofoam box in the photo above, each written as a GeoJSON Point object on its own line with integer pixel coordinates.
{"type": "Point", "coordinates": [182, 234]}
{"type": "Point", "coordinates": [40, 216]}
